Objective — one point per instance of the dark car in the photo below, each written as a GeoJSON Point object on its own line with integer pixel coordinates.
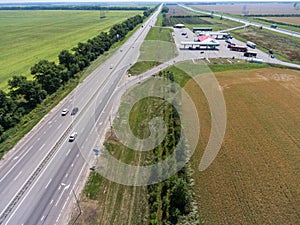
{"type": "Point", "coordinates": [74, 110]}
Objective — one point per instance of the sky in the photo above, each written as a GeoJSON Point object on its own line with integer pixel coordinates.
{"type": "Point", "coordinates": [22, 1]}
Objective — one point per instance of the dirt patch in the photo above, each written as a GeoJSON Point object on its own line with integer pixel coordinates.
{"type": "Point", "coordinates": [254, 179]}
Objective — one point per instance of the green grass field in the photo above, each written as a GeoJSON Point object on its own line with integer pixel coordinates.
{"type": "Point", "coordinates": [158, 47]}
{"type": "Point", "coordinates": [29, 36]}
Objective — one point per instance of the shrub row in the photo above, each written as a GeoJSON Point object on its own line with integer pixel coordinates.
{"type": "Point", "coordinates": [170, 202]}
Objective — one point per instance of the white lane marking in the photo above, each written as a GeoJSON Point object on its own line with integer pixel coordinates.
{"type": "Point", "coordinates": [66, 175]}
{"type": "Point", "coordinates": [77, 155]}
{"type": "Point", "coordinates": [68, 152]}
{"type": "Point", "coordinates": [18, 175]}
{"type": "Point", "coordinates": [50, 122]}
{"type": "Point", "coordinates": [16, 157]}
{"type": "Point", "coordinates": [65, 203]}
{"type": "Point", "coordinates": [59, 126]}
{"type": "Point", "coordinates": [100, 101]}
{"type": "Point", "coordinates": [34, 183]}
{"type": "Point", "coordinates": [39, 139]}
{"type": "Point", "coordinates": [50, 125]}
{"type": "Point", "coordinates": [72, 165]}
{"type": "Point", "coordinates": [100, 123]}
{"type": "Point", "coordinates": [42, 147]}
{"type": "Point", "coordinates": [48, 183]}
{"type": "Point", "coordinates": [66, 188]}
{"type": "Point", "coordinates": [58, 217]}
{"type": "Point", "coordinates": [44, 132]}
{"type": "Point", "coordinates": [42, 218]}
{"type": "Point", "coordinates": [51, 202]}
{"type": "Point", "coordinates": [15, 164]}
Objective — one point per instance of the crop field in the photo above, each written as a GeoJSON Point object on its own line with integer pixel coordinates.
{"type": "Point", "coordinates": [285, 47]}
{"type": "Point", "coordinates": [254, 178]}
{"type": "Point", "coordinates": [252, 9]}
{"type": "Point", "coordinates": [287, 20]}
{"type": "Point", "coordinates": [191, 19]}
{"type": "Point", "coordinates": [29, 36]}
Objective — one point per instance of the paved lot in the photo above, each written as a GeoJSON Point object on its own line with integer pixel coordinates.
{"type": "Point", "coordinates": [221, 52]}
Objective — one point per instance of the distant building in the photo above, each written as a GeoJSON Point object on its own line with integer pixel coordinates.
{"type": "Point", "coordinates": [179, 25]}
{"type": "Point", "coordinates": [201, 29]}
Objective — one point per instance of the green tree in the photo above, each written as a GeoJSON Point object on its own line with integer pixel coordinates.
{"type": "Point", "coordinates": [48, 74]}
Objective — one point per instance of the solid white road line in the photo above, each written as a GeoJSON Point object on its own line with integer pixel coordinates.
{"type": "Point", "coordinates": [41, 147]}
{"type": "Point", "coordinates": [42, 218]}
{"type": "Point", "coordinates": [48, 183]}
{"type": "Point", "coordinates": [18, 175]}
{"type": "Point", "coordinates": [68, 152]}
{"type": "Point", "coordinates": [58, 126]}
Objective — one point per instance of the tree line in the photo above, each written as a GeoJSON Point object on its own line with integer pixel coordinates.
{"type": "Point", "coordinates": [24, 95]}
{"type": "Point", "coordinates": [171, 201]}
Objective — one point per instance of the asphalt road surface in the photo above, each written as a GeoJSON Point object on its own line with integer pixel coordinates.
{"type": "Point", "coordinates": [40, 176]}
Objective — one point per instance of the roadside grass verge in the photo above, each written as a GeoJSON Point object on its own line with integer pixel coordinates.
{"type": "Point", "coordinates": [160, 34]}
{"type": "Point", "coordinates": [140, 67]}
{"type": "Point", "coordinates": [26, 37]}
{"type": "Point", "coordinates": [285, 47]}
{"type": "Point", "coordinates": [158, 47]}
{"type": "Point", "coordinates": [159, 20]}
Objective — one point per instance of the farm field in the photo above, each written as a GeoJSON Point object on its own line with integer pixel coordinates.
{"type": "Point", "coordinates": [29, 36]}
{"type": "Point", "coordinates": [252, 9]}
{"type": "Point", "coordinates": [254, 178]}
{"type": "Point", "coordinates": [194, 20]}
{"type": "Point", "coordinates": [288, 20]}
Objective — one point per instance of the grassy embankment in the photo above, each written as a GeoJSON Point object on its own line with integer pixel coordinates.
{"type": "Point", "coordinates": [158, 47]}
{"type": "Point", "coordinates": [26, 37]}
{"type": "Point", "coordinates": [30, 120]}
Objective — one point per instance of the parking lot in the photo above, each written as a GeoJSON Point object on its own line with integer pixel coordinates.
{"type": "Point", "coordinates": [222, 51]}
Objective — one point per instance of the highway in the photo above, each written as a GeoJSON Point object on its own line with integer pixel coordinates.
{"type": "Point", "coordinates": [247, 23]}
{"type": "Point", "coordinates": [41, 175]}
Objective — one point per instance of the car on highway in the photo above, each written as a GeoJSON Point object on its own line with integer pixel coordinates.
{"type": "Point", "coordinates": [73, 137]}
{"type": "Point", "coordinates": [111, 66]}
{"type": "Point", "coordinates": [64, 112]}
{"type": "Point", "coordinates": [183, 33]}
{"type": "Point", "coordinates": [74, 111]}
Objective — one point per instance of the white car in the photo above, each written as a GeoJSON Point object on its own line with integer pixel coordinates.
{"type": "Point", "coordinates": [72, 137]}
{"type": "Point", "coordinates": [64, 112]}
